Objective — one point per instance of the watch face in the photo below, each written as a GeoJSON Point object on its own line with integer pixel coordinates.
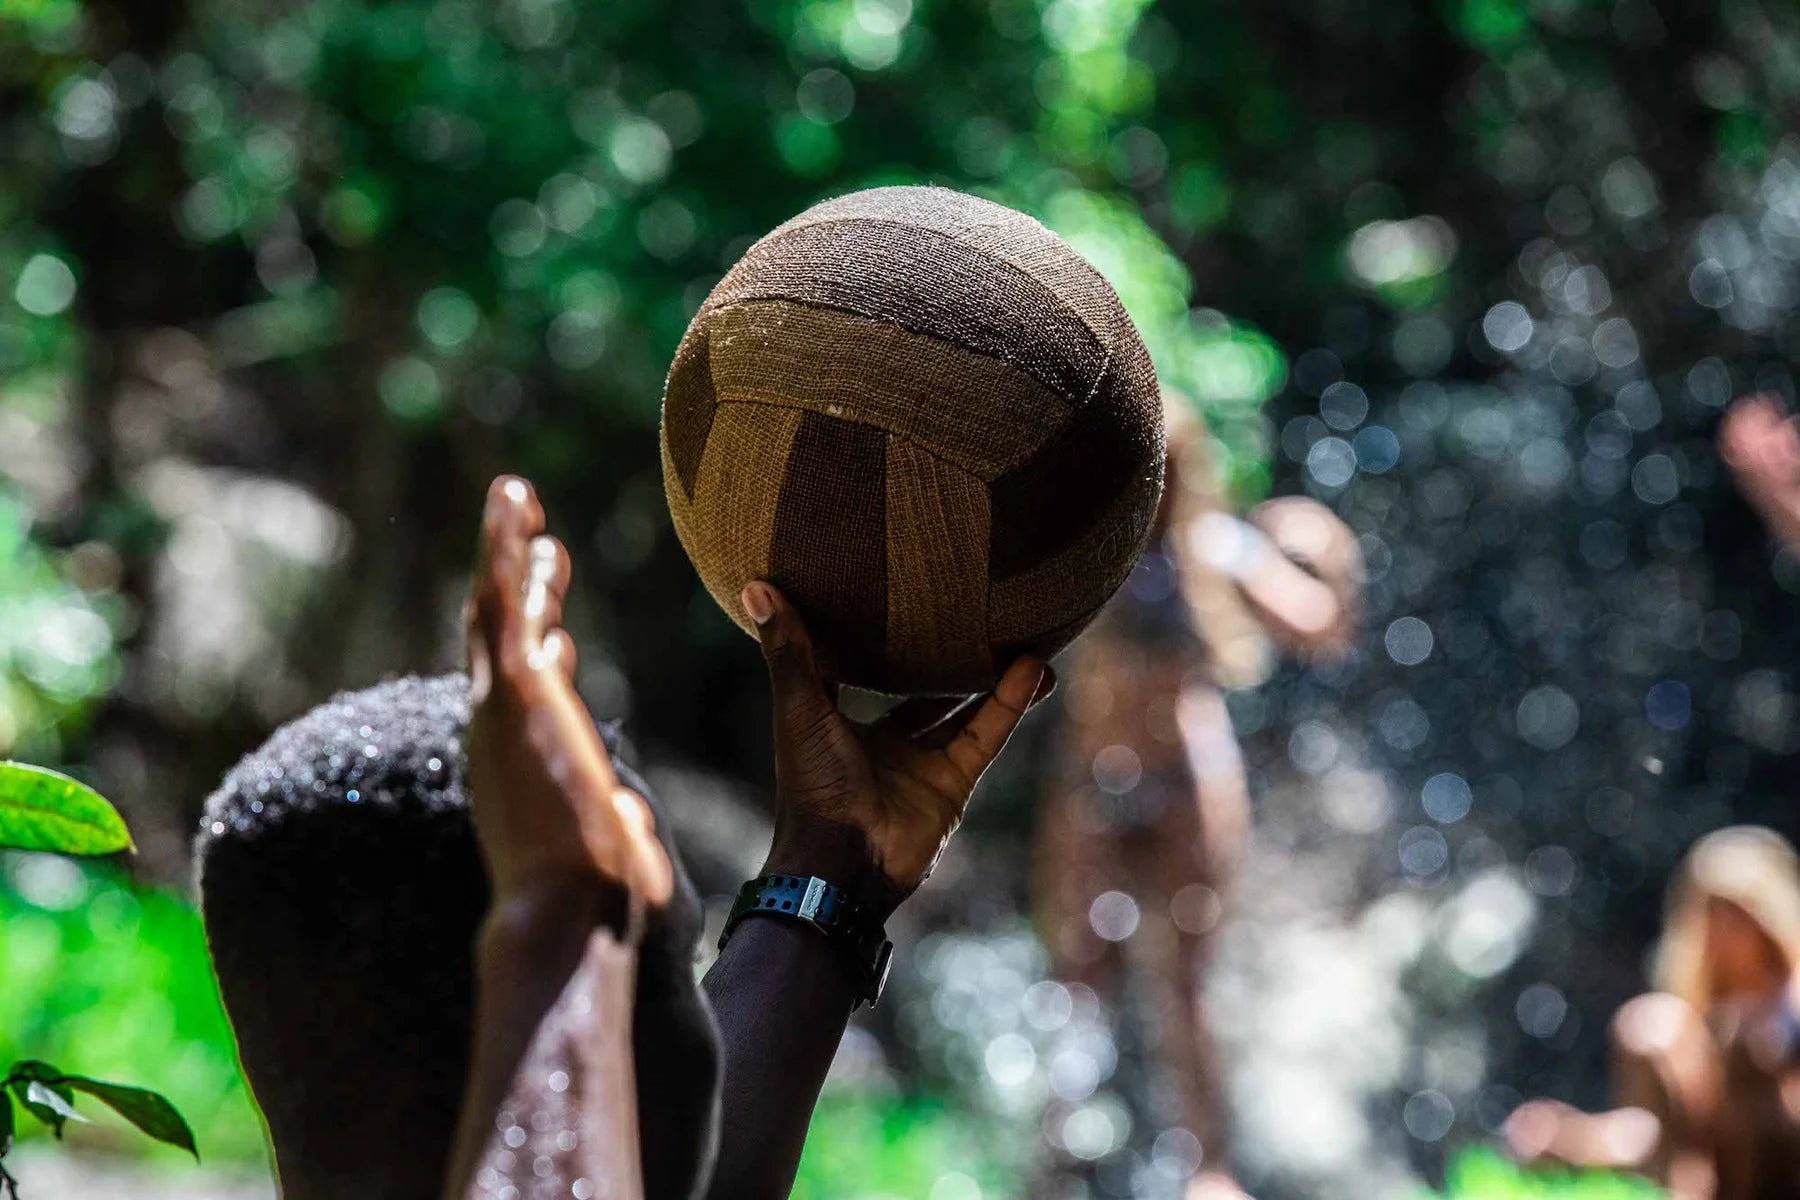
{"type": "Point", "coordinates": [813, 899]}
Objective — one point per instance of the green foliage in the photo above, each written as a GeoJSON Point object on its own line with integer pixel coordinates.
{"type": "Point", "coordinates": [49, 1095]}
{"type": "Point", "coordinates": [57, 647]}
{"type": "Point", "coordinates": [117, 978]}
{"type": "Point", "coordinates": [41, 809]}
{"type": "Point", "coordinates": [575, 175]}
{"type": "Point", "coordinates": [864, 1145]}
{"type": "Point", "coordinates": [51, 1103]}
{"type": "Point", "coordinates": [1484, 1175]}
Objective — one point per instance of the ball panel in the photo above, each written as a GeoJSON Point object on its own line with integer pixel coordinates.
{"type": "Point", "coordinates": [728, 527]}
{"type": "Point", "coordinates": [937, 520]}
{"type": "Point", "coordinates": [1038, 508]}
{"type": "Point", "coordinates": [1083, 575]}
{"type": "Point", "coordinates": [829, 549]}
{"type": "Point", "coordinates": [688, 404]}
{"type": "Point", "coordinates": [1130, 382]}
{"type": "Point", "coordinates": [930, 422]}
{"type": "Point", "coordinates": [927, 282]}
{"type": "Point", "coordinates": [776, 352]}
{"type": "Point", "coordinates": [1001, 232]}
{"type": "Point", "coordinates": [1047, 645]}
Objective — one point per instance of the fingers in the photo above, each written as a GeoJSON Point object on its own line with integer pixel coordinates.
{"type": "Point", "coordinates": [510, 518]}
{"type": "Point", "coordinates": [652, 876]}
{"type": "Point", "coordinates": [800, 695]}
{"type": "Point", "coordinates": [923, 714]}
{"type": "Point", "coordinates": [1530, 1130]}
{"type": "Point", "coordinates": [559, 651]}
{"type": "Point", "coordinates": [985, 734]}
{"type": "Point", "coordinates": [935, 721]}
{"type": "Point", "coordinates": [522, 579]}
{"type": "Point", "coordinates": [1757, 433]}
{"type": "Point", "coordinates": [547, 582]}
{"type": "Point", "coordinates": [478, 661]}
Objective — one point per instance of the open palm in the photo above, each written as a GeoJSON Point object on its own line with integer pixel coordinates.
{"type": "Point", "coordinates": [881, 799]}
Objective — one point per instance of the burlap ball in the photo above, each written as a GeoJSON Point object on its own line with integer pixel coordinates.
{"type": "Point", "coordinates": [925, 419]}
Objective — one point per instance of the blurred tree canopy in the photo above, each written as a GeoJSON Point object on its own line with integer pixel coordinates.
{"type": "Point", "coordinates": [380, 251]}
{"type": "Point", "coordinates": [285, 284]}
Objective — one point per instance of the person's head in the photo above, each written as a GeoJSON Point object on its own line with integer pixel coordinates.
{"type": "Point", "coordinates": [342, 888]}
{"type": "Point", "coordinates": [1733, 920]}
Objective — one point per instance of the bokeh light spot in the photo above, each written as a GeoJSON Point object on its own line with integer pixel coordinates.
{"type": "Point", "coordinates": [1409, 641]}
{"type": "Point", "coordinates": [1114, 916]}
{"type": "Point", "coordinates": [1541, 1010]}
{"type": "Point", "coordinates": [1428, 1115]}
{"type": "Point", "coordinates": [1446, 797]}
{"type": "Point", "coordinates": [46, 286]}
{"type": "Point", "coordinates": [1548, 717]}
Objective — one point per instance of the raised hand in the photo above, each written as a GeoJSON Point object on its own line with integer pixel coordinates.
{"type": "Point", "coordinates": [874, 804]}
{"type": "Point", "coordinates": [574, 860]}
{"type": "Point", "coordinates": [547, 803]}
{"type": "Point", "coordinates": [1761, 446]}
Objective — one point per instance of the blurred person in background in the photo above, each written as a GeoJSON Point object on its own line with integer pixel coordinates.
{"type": "Point", "coordinates": [1760, 444]}
{"type": "Point", "coordinates": [1706, 1068]}
{"type": "Point", "coordinates": [379, 979]}
{"type": "Point", "coordinates": [1148, 810]}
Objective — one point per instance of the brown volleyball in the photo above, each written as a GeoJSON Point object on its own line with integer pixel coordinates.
{"type": "Point", "coordinates": [925, 419]}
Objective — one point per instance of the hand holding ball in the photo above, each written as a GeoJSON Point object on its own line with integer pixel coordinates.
{"type": "Point", "coordinates": [925, 419]}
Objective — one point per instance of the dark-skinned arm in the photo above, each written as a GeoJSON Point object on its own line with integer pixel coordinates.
{"type": "Point", "coordinates": [551, 1077]}
{"type": "Point", "coordinates": [868, 808]}
{"type": "Point", "coordinates": [550, 1107]}
{"type": "Point", "coordinates": [782, 1000]}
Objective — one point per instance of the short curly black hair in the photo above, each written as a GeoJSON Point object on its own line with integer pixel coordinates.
{"type": "Point", "coordinates": [342, 888]}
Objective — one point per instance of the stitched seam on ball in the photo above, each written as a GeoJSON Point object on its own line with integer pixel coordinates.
{"type": "Point", "coordinates": [1073, 402]}
{"type": "Point", "coordinates": [886, 319]}
{"type": "Point", "coordinates": [1106, 348]}
{"type": "Point", "coordinates": [778, 400]}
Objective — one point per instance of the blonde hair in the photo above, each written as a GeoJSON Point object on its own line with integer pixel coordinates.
{"type": "Point", "coordinates": [1748, 866]}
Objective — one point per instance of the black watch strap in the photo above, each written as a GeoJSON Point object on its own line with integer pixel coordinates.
{"type": "Point", "coordinates": [854, 932]}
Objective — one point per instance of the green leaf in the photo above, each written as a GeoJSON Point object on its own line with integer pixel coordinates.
{"type": "Point", "coordinates": [42, 809]}
{"type": "Point", "coordinates": [46, 1099]}
{"type": "Point", "coordinates": [55, 1099]}
{"type": "Point", "coordinates": [150, 1112]}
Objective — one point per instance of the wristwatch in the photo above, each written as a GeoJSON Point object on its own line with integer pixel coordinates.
{"type": "Point", "coordinates": [859, 939]}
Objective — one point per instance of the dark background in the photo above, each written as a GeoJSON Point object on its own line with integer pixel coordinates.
{"type": "Point", "coordinates": [286, 284]}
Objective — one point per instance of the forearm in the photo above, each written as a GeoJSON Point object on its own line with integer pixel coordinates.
{"type": "Point", "coordinates": [550, 1108]}
{"type": "Point", "coordinates": [782, 999]}
{"type": "Point", "coordinates": [866, 808]}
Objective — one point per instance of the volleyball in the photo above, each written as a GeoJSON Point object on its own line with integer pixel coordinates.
{"type": "Point", "coordinates": [926, 420]}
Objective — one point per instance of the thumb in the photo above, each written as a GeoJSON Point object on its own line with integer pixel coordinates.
{"type": "Point", "coordinates": [800, 694]}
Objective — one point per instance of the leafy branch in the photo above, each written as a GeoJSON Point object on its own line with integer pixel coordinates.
{"type": "Point", "coordinates": [44, 810]}
{"type": "Point", "coordinates": [48, 1095]}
